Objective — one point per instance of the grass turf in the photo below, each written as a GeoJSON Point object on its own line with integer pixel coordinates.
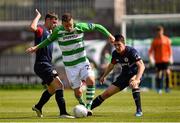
{"type": "Point", "coordinates": [15, 106]}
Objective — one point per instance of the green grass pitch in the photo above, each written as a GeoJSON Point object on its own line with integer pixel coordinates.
{"type": "Point", "coordinates": [15, 106]}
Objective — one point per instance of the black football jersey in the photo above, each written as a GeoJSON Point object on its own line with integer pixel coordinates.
{"type": "Point", "coordinates": [127, 60]}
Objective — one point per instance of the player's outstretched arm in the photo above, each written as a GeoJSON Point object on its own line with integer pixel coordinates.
{"type": "Point", "coordinates": [107, 71]}
{"type": "Point", "coordinates": [141, 68]}
{"type": "Point", "coordinates": [34, 23]}
{"type": "Point", "coordinates": [111, 39]}
{"type": "Point", "coordinates": [134, 81]}
{"type": "Point", "coordinates": [92, 26]}
{"type": "Point", "coordinates": [44, 43]}
{"type": "Point", "coordinates": [103, 30]}
{"type": "Point", "coordinates": [32, 49]}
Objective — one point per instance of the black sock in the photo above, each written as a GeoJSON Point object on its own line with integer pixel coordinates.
{"type": "Point", "coordinates": [43, 100]}
{"type": "Point", "coordinates": [159, 83]}
{"type": "Point", "coordinates": [137, 99]}
{"type": "Point", "coordinates": [96, 102]}
{"type": "Point", "coordinates": [60, 101]}
{"type": "Point", "coordinates": [167, 82]}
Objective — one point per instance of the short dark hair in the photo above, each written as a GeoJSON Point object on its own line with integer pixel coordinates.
{"type": "Point", "coordinates": [51, 15]}
{"type": "Point", "coordinates": [66, 17]}
{"type": "Point", "coordinates": [158, 28]}
{"type": "Point", "coordinates": [119, 37]}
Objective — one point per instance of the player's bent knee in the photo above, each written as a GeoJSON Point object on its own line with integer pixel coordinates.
{"type": "Point", "coordinates": [77, 92]}
{"type": "Point", "coordinates": [90, 81]}
{"type": "Point", "coordinates": [51, 90]}
{"type": "Point", "coordinates": [135, 87]}
{"type": "Point", "coordinates": [56, 84]}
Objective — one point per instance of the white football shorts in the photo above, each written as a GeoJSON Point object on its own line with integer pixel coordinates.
{"type": "Point", "coordinates": [77, 73]}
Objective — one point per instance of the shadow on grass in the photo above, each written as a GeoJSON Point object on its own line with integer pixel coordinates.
{"type": "Point", "coordinates": [19, 117]}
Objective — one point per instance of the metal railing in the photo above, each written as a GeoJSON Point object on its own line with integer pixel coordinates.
{"type": "Point", "coordinates": [15, 10]}
{"type": "Point", "coordinates": [16, 64]}
{"type": "Point", "coordinates": [152, 6]}
{"type": "Point", "coordinates": [175, 78]}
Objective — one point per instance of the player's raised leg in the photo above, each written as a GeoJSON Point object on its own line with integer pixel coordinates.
{"type": "Point", "coordinates": [79, 95]}
{"type": "Point", "coordinates": [43, 100]}
{"type": "Point", "coordinates": [90, 81]}
{"type": "Point", "coordinates": [111, 90]}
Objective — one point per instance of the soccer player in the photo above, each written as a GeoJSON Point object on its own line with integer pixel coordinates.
{"type": "Point", "coordinates": [160, 52]}
{"type": "Point", "coordinates": [70, 38]}
{"type": "Point", "coordinates": [44, 68]}
{"type": "Point", "coordinates": [132, 70]}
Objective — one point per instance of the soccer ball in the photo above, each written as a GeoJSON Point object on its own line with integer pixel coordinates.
{"type": "Point", "coordinates": [80, 111]}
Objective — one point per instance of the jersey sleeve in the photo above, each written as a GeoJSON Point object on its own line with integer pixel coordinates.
{"type": "Point", "coordinates": [91, 27]}
{"type": "Point", "coordinates": [113, 59]}
{"type": "Point", "coordinates": [134, 55]}
{"type": "Point", "coordinates": [50, 39]}
{"type": "Point", "coordinates": [54, 35]}
{"type": "Point", "coordinates": [39, 31]}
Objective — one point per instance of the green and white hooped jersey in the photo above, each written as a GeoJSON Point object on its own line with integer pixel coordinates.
{"type": "Point", "coordinates": [71, 43]}
{"type": "Point", "coordinates": [72, 47]}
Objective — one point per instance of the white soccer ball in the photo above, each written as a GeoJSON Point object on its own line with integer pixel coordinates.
{"type": "Point", "coordinates": [80, 111]}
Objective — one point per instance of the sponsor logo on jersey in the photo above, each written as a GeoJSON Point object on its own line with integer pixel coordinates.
{"type": "Point", "coordinates": [125, 64]}
{"type": "Point", "coordinates": [70, 37]}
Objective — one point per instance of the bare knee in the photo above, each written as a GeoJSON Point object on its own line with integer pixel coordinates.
{"type": "Point", "coordinates": [78, 92]}
{"type": "Point", "coordinates": [90, 81]}
{"type": "Point", "coordinates": [56, 84]}
{"type": "Point", "coordinates": [135, 86]}
{"type": "Point", "coordinates": [51, 90]}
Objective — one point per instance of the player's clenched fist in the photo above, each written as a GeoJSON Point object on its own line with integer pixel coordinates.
{"type": "Point", "coordinates": [134, 83]}
{"type": "Point", "coordinates": [102, 80]}
{"type": "Point", "coordinates": [38, 13]}
{"type": "Point", "coordinates": [111, 39]}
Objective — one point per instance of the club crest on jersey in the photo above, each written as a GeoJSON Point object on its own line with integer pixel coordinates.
{"type": "Point", "coordinates": [126, 59]}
